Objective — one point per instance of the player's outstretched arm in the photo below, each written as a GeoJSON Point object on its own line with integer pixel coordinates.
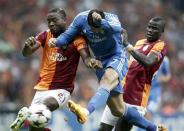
{"type": "Point", "coordinates": [31, 45]}
{"type": "Point", "coordinates": [73, 30]}
{"type": "Point", "coordinates": [88, 60]}
{"type": "Point", "coordinates": [146, 60]}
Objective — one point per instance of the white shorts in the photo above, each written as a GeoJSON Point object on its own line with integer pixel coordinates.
{"type": "Point", "coordinates": [62, 96]}
{"type": "Point", "coordinates": [110, 119]}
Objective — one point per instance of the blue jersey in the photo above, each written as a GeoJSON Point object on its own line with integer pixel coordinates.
{"type": "Point", "coordinates": [105, 43]}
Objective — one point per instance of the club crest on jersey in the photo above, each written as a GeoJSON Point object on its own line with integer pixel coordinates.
{"type": "Point", "coordinates": [61, 97]}
{"type": "Point", "coordinates": [57, 57]}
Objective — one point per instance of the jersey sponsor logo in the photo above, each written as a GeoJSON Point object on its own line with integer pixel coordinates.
{"type": "Point", "coordinates": [57, 57]}
{"type": "Point", "coordinates": [96, 38]}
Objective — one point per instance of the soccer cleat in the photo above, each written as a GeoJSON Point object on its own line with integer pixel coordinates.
{"type": "Point", "coordinates": [21, 117]}
{"type": "Point", "coordinates": [78, 111]}
{"type": "Point", "coordinates": [161, 128]}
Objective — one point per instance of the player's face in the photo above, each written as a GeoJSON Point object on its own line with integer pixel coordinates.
{"type": "Point", "coordinates": [153, 31]}
{"type": "Point", "coordinates": [56, 24]}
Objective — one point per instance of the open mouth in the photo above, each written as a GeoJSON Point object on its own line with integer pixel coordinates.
{"type": "Point", "coordinates": [149, 34]}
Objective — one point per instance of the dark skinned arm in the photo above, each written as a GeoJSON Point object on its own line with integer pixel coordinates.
{"type": "Point", "coordinates": [88, 60]}
{"type": "Point", "coordinates": [145, 60]}
{"type": "Point", "coordinates": [31, 45]}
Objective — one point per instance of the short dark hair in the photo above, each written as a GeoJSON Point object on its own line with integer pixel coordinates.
{"type": "Point", "coordinates": [59, 11]}
{"type": "Point", "coordinates": [160, 20]}
{"type": "Point", "coordinates": [90, 19]}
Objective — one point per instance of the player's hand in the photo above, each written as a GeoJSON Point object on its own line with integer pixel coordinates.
{"type": "Point", "coordinates": [124, 37]}
{"type": "Point", "coordinates": [30, 42]}
{"type": "Point", "coordinates": [96, 17]}
{"type": "Point", "coordinates": [52, 42]}
{"type": "Point", "coordinates": [93, 63]}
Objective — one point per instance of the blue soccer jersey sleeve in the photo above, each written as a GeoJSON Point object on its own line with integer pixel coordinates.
{"type": "Point", "coordinates": [74, 29]}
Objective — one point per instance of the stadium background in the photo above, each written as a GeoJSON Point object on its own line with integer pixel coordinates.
{"type": "Point", "coordinates": [22, 18]}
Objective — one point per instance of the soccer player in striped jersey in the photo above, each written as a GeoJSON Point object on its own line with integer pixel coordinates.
{"type": "Point", "coordinates": [57, 70]}
{"type": "Point", "coordinates": [145, 60]}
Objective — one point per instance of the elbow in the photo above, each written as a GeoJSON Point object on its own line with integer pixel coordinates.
{"type": "Point", "coordinates": [147, 64]}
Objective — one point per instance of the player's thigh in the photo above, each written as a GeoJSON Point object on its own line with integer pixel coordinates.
{"type": "Point", "coordinates": [116, 104]}
{"type": "Point", "coordinates": [110, 78]}
{"type": "Point", "coordinates": [60, 95]}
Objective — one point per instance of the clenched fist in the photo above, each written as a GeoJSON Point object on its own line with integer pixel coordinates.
{"type": "Point", "coordinates": [93, 63]}
{"type": "Point", "coordinates": [30, 42]}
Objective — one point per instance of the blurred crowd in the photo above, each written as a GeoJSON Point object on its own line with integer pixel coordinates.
{"type": "Point", "coordinates": [23, 18]}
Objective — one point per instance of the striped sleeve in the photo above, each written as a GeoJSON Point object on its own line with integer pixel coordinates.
{"type": "Point", "coordinates": [80, 43]}
{"type": "Point", "coordinates": [159, 49]}
{"type": "Point", "coordinates": [41, 38]}
{"type": "Point", "coordinates": [139, 44]}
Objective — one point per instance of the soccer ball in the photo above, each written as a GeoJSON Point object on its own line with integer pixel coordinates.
{"type": "Point", "coordinates": [38, 120]}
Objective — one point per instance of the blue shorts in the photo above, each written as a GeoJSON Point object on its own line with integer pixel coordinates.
{"type": "Point", "coordinates": [119, 64]}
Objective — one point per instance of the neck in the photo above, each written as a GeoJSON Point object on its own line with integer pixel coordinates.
{"type": "Point", "coordinates": [58, 34]}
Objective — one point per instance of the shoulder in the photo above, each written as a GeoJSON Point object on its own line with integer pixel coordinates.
{"type": "Point", "coordinates": [159, 45]}
{"type": "Point", "coordinates": [41, 37]}
{"type": "Point", "coordinates": [140, 42]}
{"type": "Point", "coordinates": [112, 18]}
{"type": "Point", "coordinates": [82, 15]}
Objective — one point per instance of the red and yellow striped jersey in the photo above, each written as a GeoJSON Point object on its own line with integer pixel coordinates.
{"type": "Point", "coordinates": [58, 66]}
{"type": "Point", "coordinates": [138, 79]}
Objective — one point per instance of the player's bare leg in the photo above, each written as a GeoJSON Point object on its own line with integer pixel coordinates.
{"type": "Point", "coordinates": [21, 117]}
{"type": "Point", "coordinates": [51, 103]}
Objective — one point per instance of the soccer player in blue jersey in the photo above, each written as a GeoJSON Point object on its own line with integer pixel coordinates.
{"type": "Point", "coordinates": [103, 32]}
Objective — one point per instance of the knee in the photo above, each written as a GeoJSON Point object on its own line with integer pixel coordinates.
{"type": "Point", "coordinates": [117, 112]}
{"type": "Point", "coordinates": [51, 103]}
{"type": "Point", "coordinates": [105, 127]}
